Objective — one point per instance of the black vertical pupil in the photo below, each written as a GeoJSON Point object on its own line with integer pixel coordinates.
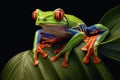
{"type": "Point", "coordinates": [60, 14]}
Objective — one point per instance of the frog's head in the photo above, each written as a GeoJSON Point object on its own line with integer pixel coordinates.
{"type": "Point", "coordinates": [50, 18]}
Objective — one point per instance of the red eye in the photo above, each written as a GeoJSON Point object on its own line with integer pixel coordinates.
{"type": "Point", "coordinates": [59, 14]}
{"type": "Point", "coordinates": [34, 15]}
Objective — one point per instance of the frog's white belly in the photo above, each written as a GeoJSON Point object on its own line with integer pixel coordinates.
{"type": "Point", "coordinates": [58, 31]}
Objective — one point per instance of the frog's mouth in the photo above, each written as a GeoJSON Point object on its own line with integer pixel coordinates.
{"type": "Point", "coordinates": [51, 25]}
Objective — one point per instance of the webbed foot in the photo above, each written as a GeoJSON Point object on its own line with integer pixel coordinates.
{"type": "Point", "coordinates": [40, 49]}
{"type": "Point", "coordinates": [88, 40]}
{"type": "Point", "coordinates": [86, 59]}
{"type": "Point", "coordinates": [89, 47]}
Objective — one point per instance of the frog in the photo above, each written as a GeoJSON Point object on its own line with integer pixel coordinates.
{"type": "Point", "coordinates": [56, 26]}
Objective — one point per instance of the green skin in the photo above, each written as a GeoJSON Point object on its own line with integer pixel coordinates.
{"type": "Point", "coordinates": [47, 21]}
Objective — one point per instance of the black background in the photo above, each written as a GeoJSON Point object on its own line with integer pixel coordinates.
{"type": "Point", "coordinates": [18, 27]}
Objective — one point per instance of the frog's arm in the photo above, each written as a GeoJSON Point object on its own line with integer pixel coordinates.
{"type": "Point", "coordinates": [39, 45]}
{"type": "Point", "coordinates": [37, 39]}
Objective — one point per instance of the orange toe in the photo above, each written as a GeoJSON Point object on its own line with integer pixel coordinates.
{"type": "Point", "coordinates": [86, 60]}
{"type": "Point", "coordinates": [44, 55]}
{"type": "Point", "coordinates": [35, 62]}
{"type": "Point", "coordinates": [64, 64]}
{"type": "Point", "coordinates": [84, 49]}
{"type": "Point", "coordinates": [96, 60]}
{"type": "Point", "coordinates": [54, 59]}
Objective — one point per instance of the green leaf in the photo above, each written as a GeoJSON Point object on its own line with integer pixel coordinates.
{"type": "Point", "coordinates": [110, 47]}
{"type": "Point", "coordinates": [112, 20]}
{"type": "Point", "coordinates": [20, 67]}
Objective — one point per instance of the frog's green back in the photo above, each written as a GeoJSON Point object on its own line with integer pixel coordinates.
{"type": "Point", "coordinates": [73, 21]}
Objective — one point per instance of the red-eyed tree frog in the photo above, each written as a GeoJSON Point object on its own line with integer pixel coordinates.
{"type": "Point", "coordinates": [56, 26]}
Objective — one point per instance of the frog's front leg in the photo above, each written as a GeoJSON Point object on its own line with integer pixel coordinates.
{"type": "Point", "coordinates": [78, 36]}
{"type": "Point", "coordinates": [42, 40]}
{"type": "Point", "coordinates": [37, 47]}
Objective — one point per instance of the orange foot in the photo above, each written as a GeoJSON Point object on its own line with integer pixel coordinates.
{"type": "Point", "coordinates": [88, 40]}
{"type": "Point", "coordinates": [89, 47]}
{"type": "Point", "coordinates": [86, 59]}
{"type": "Point", "coordinates": [40, 49]}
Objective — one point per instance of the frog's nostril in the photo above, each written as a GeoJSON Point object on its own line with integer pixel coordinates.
{"type": "Point", "coordinates": [38, 19]}
{"type": "Point", "coordinates": [43, 18]}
